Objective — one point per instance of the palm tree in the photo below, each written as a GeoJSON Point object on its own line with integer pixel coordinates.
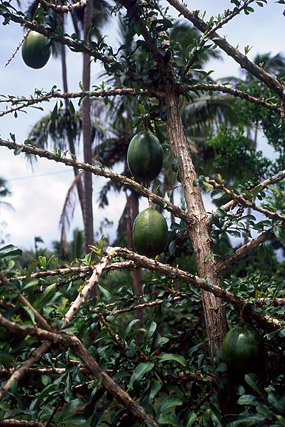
{"type": "Point", "coordinates": [96, 13]}
{"type": "Point", "coordinates": [4, 192]}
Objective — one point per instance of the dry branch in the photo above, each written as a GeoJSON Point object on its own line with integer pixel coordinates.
{"type": "Point", "coordinates": [241, 59]}
{"type": "Point", "coordinates": [84, 293]}
{"type": "Point", "coordinates": [267, 322]}
{"type": "Point", "coordinates": [245, 202]}
{"type": "Point", "coordinates": [19, 373]}
{"type": "Point", "coordinates": [64, 7]}
{"type": "Point", "coordinates": [179, 213]}
{"type": "Point", "coordinates": [24, 103]}
{"type": "Point", "coordinates": [72, 342]}
{"type": "Point", "coordinates": [231, 91]}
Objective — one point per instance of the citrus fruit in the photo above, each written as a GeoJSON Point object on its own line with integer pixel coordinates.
{"type": "Point", "coordinates": [144, 156]}
{"type": "Point", "coordinates": [243, 351]}
{"type": "Point", "coordinates": [35, 50]}
{"type": "Point", "coordinates": [150, 232]}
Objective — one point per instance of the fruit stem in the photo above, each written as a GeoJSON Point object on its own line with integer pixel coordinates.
{"type": "Point", "coordinates": [150, 202]}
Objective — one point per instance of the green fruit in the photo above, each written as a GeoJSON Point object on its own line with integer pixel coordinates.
{"type": "Point", "coordinates": [145, 156]}
{"type": "Point", "coordinates": [243, 351]}
{"type": "Point", "coordinates": [150, 232]}
{"type": "Point", "coordinates": [35, 50]}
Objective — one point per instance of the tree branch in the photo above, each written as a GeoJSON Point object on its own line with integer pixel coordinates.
{"type": "Point", "coordinates": [241, 59]}
{"type": "Point", "coordinates": [72, 342]}
{"type": "Point", "coordinates": [243, 201]}
{"type": "Point", "coordinates": [267, 322]}
{"type": "Point", "coordinates": [64, 8]}
{"type": "Point", "coordinates": [271, 180]}
{"type": "Point", "coordinates": [27, 102]}
{"type": "Point", "coordinates": [230, 91]}
{"type": "Point", "coordinates": [73, 45]}
{"type": "Point", "coordinates": [19, 373]}
{"type": "Point", "coordinates": [100, 172]}
{"type": "Point", "coordinates": [243, 250]}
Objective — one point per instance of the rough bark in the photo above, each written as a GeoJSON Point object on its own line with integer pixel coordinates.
{"type": "Point", "coordinates": [198, 226]}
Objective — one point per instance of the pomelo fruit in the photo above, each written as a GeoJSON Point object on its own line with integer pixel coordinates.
{"type": "Point", "coordinates": [150, 232]}
{"type": "Point", "coordinates": [243, 351]}
{"type": "Point", "coordinates": [36, 50]}
{"type": "Point", "coordinates": [144, 156]}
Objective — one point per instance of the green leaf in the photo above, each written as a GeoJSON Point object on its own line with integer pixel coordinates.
{"type": "Point", "coordinates": [190, 419]}
{"type": "Point", "coordinates": [54, 113]}
{"type": "Point", "coordinates": [129, 327]}
{"type": "Point", "coordinates": [71, 108]}
{"type": "Point", "coordinates": [30, 313]}
{"type": "Point", "coordinates": [218, 194]}
{"type": "Point", "coordinates": [169, 419]}
{"type": "Point", "coordinates": [277, 231]}
{"type": "Point", "coordinates": [29, 283]}
{"type": "Point", "coordinates": [277, 401]}
{"type": "Point", "coordinates": [18, 151]}
{"type": "Point", "coordinates": [208, 187]}
{"type": "Point", "coordinates": [174, 357]}
{"type": "Point", "coordinates": [9, 252]}
{"type": "Point", "coordinates": [168, 403]}
{"type": "Point", "coordinates": [6, 360]}
{"type": "Point", "coordinates": [150, 330]}
{"type": "Point", "coordinates": [46, 296]}
{"type": "Point", "coordinates": [155, 386]}
{"type": "Point", "coordinates": [105, 293]}
{"type": "Point", "coordinates": [220, 213]}
{"type": "Point", "coordinates": [254, 382]}
{"type": "Point", "coordinates": [247, 399]}
{"type": "Point", "coordinates": [140, 371]}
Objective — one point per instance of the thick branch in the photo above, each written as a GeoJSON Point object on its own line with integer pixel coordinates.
{"type": "Point", "coordinates": [243, 201]}
{"type": "Point", "coordinates": [100, 172]}
{"type": "Point", "coordinates": [243, 250]}
{"type": "Point", "coordinates": [241, 59]}
{"type": "Point", "coordinates": [19, 373]}
{"type": "Point", "coordinates": [72, 342]}
{"type": "Point", "coordinates": [231, 91]}
{"type": "Point", "coordinates": [267, 322]}
{"type": "Point", "coordinates": [83, 294]}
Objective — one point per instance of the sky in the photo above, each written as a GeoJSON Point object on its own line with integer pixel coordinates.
{"type": "Point", "coordinates": [38, 193]}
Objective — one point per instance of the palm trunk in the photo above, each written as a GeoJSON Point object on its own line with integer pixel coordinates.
{"type": "Point", "coordinates": [86, 131]}
{"type": "Point", "coordinates": [70, 135]}
{"type": "Point", "coordinates": [132, 212]}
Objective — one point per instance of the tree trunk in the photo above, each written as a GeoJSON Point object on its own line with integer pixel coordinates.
{"type": "Point", "coordinates": [132, 212]}
{"type": "Point", "coordinates": [199, 229]}
{"type": "Point", "coordinates": [86, 132]}
{"type": "Point", "coordinates": [70, 135]}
